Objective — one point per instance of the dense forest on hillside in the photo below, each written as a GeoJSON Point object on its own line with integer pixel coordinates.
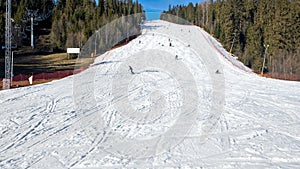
{"type": "Point", "coordinates": [251, 24]}
{"type": "Point", "coordinates": [72, 22]}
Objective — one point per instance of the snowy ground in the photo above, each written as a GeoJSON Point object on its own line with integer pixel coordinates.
{"type": "Point", "coordinates": [175, 113]}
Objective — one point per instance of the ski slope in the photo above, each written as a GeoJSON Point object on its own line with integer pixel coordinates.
{"type": "Point", "coordinates": [172, 113]}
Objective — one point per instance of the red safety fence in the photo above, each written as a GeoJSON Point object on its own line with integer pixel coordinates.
{"type": "Point", "coordinates": [291, 77]}
{"type": "Point", "coordinates": [47, 76]}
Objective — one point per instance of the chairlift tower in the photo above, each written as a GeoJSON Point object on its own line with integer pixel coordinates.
{"type": "Point", "coordinates": [8, 34]}
{"type": "Point", "coordinates": [32, 14]}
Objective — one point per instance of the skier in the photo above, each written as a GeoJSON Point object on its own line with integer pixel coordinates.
{"type": "Point", "coordinates": [131, 70]}
{"type": "Point", "coordinates": [176, 57]}
{"type": "Point", "coordinates": [218, 72]}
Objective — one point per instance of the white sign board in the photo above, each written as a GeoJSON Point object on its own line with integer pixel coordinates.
{"type": "Point", "coordinates": [30, 79]}
{"type": "Point", "coordinates": [73, 50]}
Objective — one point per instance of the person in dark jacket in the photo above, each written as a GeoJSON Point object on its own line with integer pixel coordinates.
{"type": "Point", "coordinates": [131, 70]}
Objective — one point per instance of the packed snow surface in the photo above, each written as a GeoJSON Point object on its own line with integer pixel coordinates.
{"type": "Point", "coordinates": [188, 105]}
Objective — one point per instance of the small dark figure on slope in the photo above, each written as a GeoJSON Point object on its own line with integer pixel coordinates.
{"type": "Point", "coordinates": [131, 70]}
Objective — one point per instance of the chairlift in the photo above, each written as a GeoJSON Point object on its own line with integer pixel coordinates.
{"type": "Point", "coordinates": [48, 15]}
{"type": "Point", "coordinates": [24, 20]}
{"type": "Point", "coordinates": [17, 27]}
{"type": "Point", "coordinates": [39, 19]}
{"type": "Point", "coordinates": [12, 47]}
{"type": "Point", "coordinates": [24, 36]}
{"type": "Point", "coordinates": [28, 28]}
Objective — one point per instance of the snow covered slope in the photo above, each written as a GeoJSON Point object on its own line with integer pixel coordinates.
{"type": "Point", "coordinates": [174, 112]}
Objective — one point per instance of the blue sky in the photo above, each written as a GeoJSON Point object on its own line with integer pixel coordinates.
{"type": "Point", "coordinates": [160, 5]}
{"type": "Point", "coordinates": [153, 8]}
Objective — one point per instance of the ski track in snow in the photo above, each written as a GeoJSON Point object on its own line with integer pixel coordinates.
{"type": "Point", "coordinates": [259, 126]}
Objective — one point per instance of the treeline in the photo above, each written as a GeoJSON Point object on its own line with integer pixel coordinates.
{"type": "Point", "coordinates": [73, 21]}
{"type": "Point", "coordinates": [250, 25]}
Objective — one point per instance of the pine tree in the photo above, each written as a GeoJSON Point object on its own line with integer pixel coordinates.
{"type": "Point", "coordinates": [190, 13]}
{"type": "Point", "coordinates": [253, 50]}
{"type": "Point", "coordinates": [101, 6]}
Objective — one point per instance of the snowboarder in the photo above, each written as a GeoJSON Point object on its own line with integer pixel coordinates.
{"type": "Point", "coordinates": [131, 70]}
{"type": "Point", "coordinates": [218, 72]}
